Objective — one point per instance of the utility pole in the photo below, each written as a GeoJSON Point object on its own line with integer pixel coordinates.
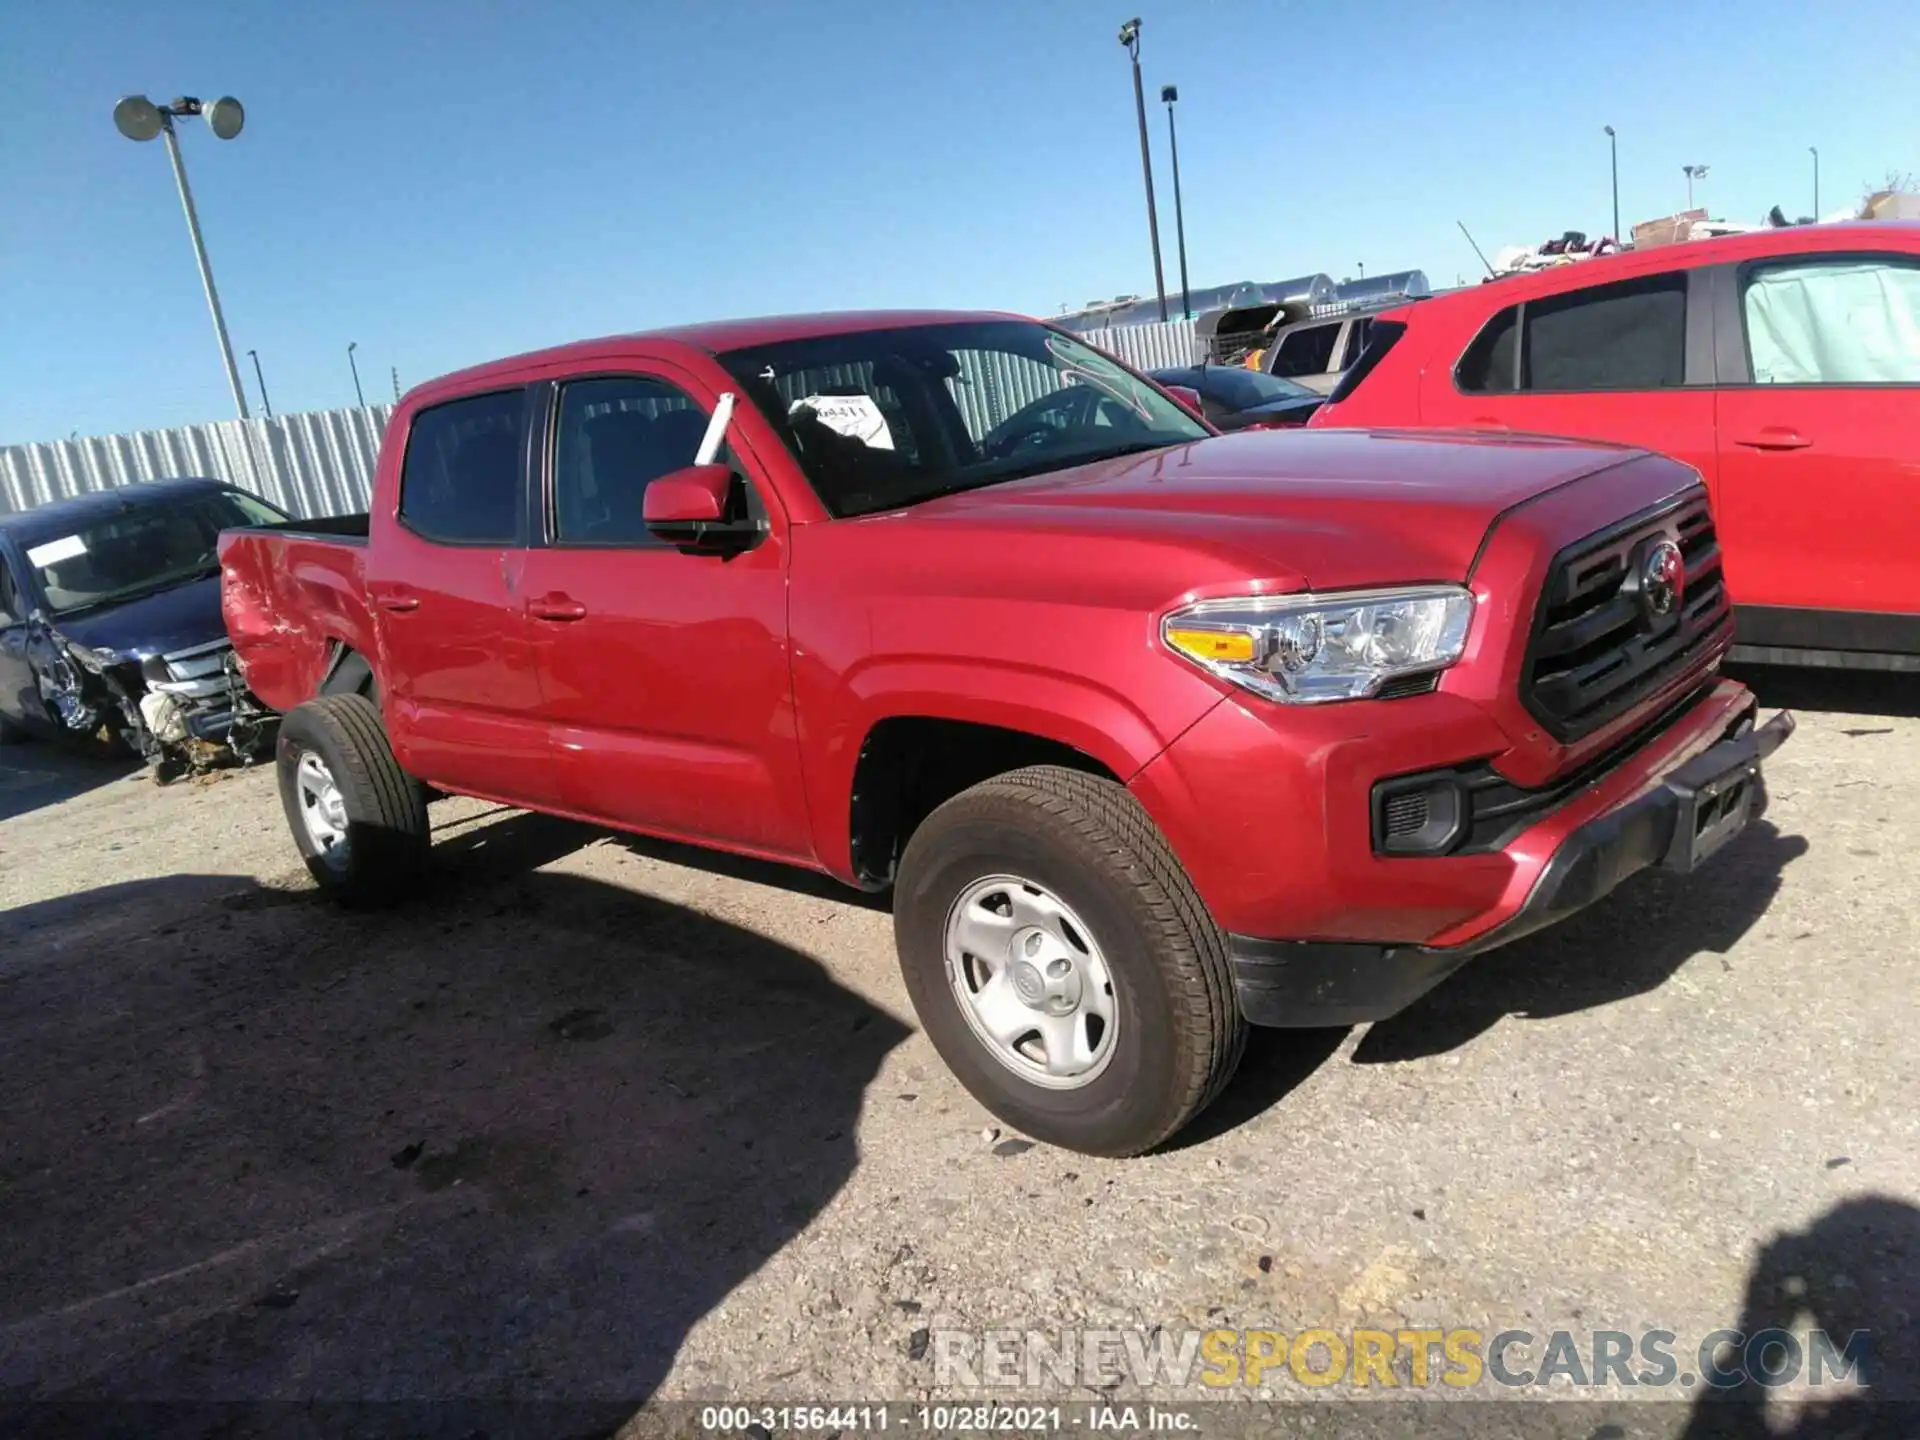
{"type": "Point", "coordinates": [1169, 94]}
{"type": "Point", "coordinates": [1613, 151]}
{"type": "Point", "coordinates": [138, 118]}
{"type": "Point", "coordinates": [1130, 39]}
{"type": "Point", "coordinates": [265, 404]}
{"type": "Point", "coordinates": [396, 384]}
{"type": "Point", "coordinates": [1814, 150]}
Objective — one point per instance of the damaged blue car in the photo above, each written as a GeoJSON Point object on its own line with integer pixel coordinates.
{"type": "Point", "coordinates": [110, 625]}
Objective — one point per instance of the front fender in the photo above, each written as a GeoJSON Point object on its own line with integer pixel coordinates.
{"type": "Point", "coordinates": [1078, 711]}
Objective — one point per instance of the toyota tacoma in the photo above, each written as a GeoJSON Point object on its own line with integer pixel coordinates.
{"type": "Point", "coordinates": [1152, 733]}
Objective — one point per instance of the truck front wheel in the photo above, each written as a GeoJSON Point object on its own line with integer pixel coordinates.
{"type": "Point", "coordinates": [359, 819]}
{"type": "Point", "coordinates": [1062, 964]}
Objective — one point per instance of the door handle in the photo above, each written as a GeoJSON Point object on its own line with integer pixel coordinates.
{"type": "Point", "coordinates": [398, 601]}
{"type": "Point", "coordinates": [1774, 437]}
{"type": "Point", "coordinates": [556, 606]}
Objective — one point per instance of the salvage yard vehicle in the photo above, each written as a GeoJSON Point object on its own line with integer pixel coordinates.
{"type": "Point", "coordinates": [1231, 397]}
{"type": "Point", "coordinates": [1783, 365]}
{"type": "Point", "coordinates": [1152, 733]}
{"type": "Point", "coordinates": [110, 623]}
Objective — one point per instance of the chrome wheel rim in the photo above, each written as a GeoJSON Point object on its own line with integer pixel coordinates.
{"type": "Point", "coordinates": [1031, 981]}
{"type": "Point", "coordinates": [323, 809]}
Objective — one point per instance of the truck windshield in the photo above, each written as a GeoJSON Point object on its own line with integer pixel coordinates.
{"type": "Point", "coordinates": [147, 547]}
{"type": "Point", "coordinates": [879, 419]}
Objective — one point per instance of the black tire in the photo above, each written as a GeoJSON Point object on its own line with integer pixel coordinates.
{"type": "Point", "coordinates": [1178, 1035]}
{"type": "Point", "coordinates": [386, 834]}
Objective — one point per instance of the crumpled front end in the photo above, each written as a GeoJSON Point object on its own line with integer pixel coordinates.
{"type": "Point", "coordinates": [184, 710]}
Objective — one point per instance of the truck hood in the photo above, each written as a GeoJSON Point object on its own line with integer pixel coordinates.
{"type": "Point", "coordinates": [1332, 508]}
{"type": "Point", "coordinates": [156, 624]}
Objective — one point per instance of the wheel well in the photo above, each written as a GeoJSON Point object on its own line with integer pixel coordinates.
{"type": "Point", "coordinates": [350, 674]}
{"type": "Point", "coordinates": [911, 764]}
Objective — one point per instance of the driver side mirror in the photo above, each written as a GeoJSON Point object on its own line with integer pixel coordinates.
{"type": "Point", "coordinates": [1189, 399]}
{"type": "Point", "coordinates": [685, 507]}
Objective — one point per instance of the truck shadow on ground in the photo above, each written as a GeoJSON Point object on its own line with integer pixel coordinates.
{"type": "Point", "coordinates": [1630, 943]}
{"type": "Point", "coordinates": [1853, 1272]}
{"type": "Point", "coordinates": [517, 1137]}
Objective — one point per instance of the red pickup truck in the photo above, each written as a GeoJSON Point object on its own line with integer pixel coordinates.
{"type": "Point", "coordinates": [1153, 733]}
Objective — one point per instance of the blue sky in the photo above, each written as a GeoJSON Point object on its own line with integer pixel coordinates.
{"type": "Point", "coordinates": [447, 182]}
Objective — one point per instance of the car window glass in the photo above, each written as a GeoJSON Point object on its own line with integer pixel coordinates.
{"type": "Point", "coordinates": [616, 436]}
{"type": "Point", "coordinates": [1627, 336]}
{"type": "Point", "coordinates": [1487, 367]}
{"type": "Point", "coordinates": [461, 482]}
{"type": "Point", "coordinates": [1834, 322]}
{"type": "Point", "coordinates": [1356, 341]}
{"type": "Point", "coordinates": [890, 417]}
{"type": "Point", "coordinates": [153, 543]}
{"type": "Point", "coordinates": [1306, 352]}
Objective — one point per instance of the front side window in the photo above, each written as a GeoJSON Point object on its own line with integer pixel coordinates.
{"type": "Point", "coordinates": [461, 483]}
{"type": "Point", "coordinates": [148, 547]}
{"type": "Point", "coordinates": [879, 419]}
{"type": "Point", "coordinates": [616, 436]}
{"type": "Point", "coordinates": [1306, 352]}
{"type": "Point", "coordinates": [1853, 321]}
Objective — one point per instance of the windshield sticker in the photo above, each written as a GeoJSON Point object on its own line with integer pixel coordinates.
{"type": "Point", "coordinates": [54, 551]}
{"type": "Point", "coordinates": [855, 416]}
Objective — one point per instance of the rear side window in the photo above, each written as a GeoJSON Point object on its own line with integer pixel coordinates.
{"type": "Point", "coordinates": [1838, 321]}
{"type": "Point", "coordinates": [1488, 366]}
{"type": "Point", "coordinates": [1629, 336]}
{"type": "Point", "coordinates": [1356, 341]}
{"type": "Point", "coordinates": [1382, 336]}
{"type": "Point", "coordinates": [1306, 352]}
{"type": "Point", "coordinates": [462, 483]}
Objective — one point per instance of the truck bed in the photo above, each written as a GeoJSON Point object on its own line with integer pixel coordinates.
{"type": "Point", "coordinates": [294, 598]}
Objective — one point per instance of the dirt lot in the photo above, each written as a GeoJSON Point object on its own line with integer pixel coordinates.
{"type": "Point", "coordinates": [600, 1120]}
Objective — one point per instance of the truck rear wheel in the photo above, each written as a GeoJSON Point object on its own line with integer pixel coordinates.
{"type": "Point", "coordinates": [1062, 964]}
{"type": "Point", "coordinates": [359, 819]}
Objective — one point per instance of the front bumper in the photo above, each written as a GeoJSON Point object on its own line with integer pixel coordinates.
{"type": "Point", "coordinates": [1677, 823]}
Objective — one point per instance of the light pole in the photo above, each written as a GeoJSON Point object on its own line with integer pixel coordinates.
{"type": "Point", "coordinates": [1613, 153]}
{"type": "Point", "coordinates": [1814, 150]}
{"type": "Point", "coordinates": [265, 404]}
{"type": "Point", "coordinates": [138, 118]}
{"type": "Point", "coordinates": [1169, 94]}
{"type": "Point", "coordinates": [358, 393]}
{"type": "Point", "coordinates": [1694, 172]}
{"type": "Point", "coordinates": [1130, 40]}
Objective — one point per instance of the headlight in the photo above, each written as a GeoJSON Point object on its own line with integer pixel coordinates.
{"type": "Point", "coordinates": [1307, 649]}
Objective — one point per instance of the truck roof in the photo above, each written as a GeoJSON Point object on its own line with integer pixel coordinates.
{"type": "Point", "coordinates": [715, 337]}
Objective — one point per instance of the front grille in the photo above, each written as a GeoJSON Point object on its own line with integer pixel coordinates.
{"type": "Point", "coordinates": [1598, 648]}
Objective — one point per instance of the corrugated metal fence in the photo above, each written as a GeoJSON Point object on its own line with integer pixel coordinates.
{"type": "Point", "coordinates": [321, 463]}
{"type": "Point", "coordinates": [314, 464]}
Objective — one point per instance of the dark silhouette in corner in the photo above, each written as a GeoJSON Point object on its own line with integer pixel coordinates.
{"type": "Point", "coordinates": [1854, 1269]}
{"type": "Point", "coordinates": [515, 1138]}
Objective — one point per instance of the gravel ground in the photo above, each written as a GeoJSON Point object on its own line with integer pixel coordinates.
{"type": "Point", "coordinates": [602, 1120]}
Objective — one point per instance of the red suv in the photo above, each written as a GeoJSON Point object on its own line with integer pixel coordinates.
{"type": "Point", "coordinates": [1784, 366]}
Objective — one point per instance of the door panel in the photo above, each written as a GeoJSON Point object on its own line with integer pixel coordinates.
{"type": "Point", "coordinates": [1819, 496]}
{"type": "Point", "coordinates": [667, 690]}
{"type": "Point", "coordinates": [458, 685]}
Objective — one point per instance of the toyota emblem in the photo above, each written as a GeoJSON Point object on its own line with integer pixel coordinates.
{"type": "Point", "coordinates": [1663, 574]}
